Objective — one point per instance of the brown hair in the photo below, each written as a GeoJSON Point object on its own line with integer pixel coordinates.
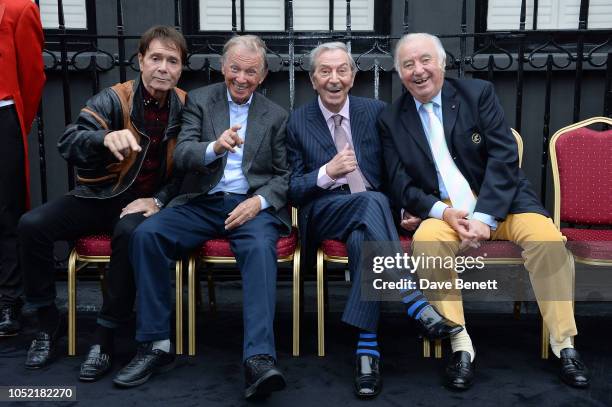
{"type": "Point", "coordinates": [165, 34]}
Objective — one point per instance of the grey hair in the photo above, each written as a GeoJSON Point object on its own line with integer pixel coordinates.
{"type": "Point", "coordinates": [414, 36]}
{"type": "Point", "coordinates": [330, 46]}
{"type": "Point", "coordinates": [251, 42]}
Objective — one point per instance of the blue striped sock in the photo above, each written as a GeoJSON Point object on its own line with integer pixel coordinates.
{"type": "Point", "coordinates": [415, 303]}
{"type": "Point", "coordinates": [368, 344]}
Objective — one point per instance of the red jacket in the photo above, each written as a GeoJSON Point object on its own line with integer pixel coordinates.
{"type": "Point", "coordinates": [21, 64]}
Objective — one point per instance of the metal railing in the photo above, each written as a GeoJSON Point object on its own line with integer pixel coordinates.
{"type": "Point", "coordinates": [512, 51]}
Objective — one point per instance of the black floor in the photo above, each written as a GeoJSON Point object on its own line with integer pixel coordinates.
{"type": "Point", "coordinates": [509, 370]}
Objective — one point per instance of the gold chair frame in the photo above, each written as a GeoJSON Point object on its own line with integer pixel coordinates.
{"type": "Point", "coordinates": [557, 181]}
{"type": "Point", "coordinates": [74, 267]}
{"type": "Point", "coordinates": [191, 287]}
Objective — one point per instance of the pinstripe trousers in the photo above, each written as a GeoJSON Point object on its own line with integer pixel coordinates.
{"type": "Point", "coordinates": [354, 219]}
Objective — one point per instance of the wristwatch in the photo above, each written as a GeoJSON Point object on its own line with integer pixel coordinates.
{"type": "Point", "coordinates": [158, 203]}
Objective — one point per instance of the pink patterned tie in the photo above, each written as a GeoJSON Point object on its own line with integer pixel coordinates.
{"type": "Point", "coordinates": [354, 178]}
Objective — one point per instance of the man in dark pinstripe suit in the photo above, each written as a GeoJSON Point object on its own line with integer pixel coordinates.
{"type": "Point", "coordinates": [334, 149]}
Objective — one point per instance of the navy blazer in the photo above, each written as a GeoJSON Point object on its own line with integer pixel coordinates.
{"type": "Point", "coordinates": [310, 146]}
{"type": "Point", "coordinates": [479, 140]}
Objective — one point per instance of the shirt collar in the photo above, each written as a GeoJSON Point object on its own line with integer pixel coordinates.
{"type": "Point", "coordinates": [150, 102]}
{"type": "Point", "coordinates": [436, 100]}
{"type": "Point", "coordinates": [327, 114]}
{"type": "Point", "coordinates": [247, 103]}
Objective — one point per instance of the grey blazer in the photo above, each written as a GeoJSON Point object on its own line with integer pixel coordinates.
{"type": "Point", "coordinates": [264, 162]}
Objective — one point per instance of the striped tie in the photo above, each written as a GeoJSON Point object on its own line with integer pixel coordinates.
{"type": "Point", "coordinates": [354, 178]}
{"type": "Point", "coordinates": [458, 189]}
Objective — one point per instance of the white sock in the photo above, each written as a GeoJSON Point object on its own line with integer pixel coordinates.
{"type": "Point", "coordinates": [162, 345]}
{"type": "Point", "coordinates": [557, 346]}
{"type": "Point", "coordinates": [462, 342]}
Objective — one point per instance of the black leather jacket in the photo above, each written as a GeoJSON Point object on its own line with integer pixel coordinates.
{"type": "Point", "coordinates": [99, 174]}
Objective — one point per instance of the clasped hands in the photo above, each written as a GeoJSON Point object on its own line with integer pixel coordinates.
{"type": "Point", "coordinates": [470, 231]}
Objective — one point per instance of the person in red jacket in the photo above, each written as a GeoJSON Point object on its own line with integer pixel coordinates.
{"type": "Point", "coordinates": [23, 78]}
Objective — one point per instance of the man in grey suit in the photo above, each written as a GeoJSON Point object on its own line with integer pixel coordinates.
{"type": "Point", "coordinates": [233, 140]}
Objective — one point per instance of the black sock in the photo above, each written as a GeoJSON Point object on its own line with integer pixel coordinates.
{"type": "Point", "coordinates": [48, 319]}
{"type": "Point", "coordinates": [104, 337]}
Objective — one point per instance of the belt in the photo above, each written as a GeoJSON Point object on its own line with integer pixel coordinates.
{"type": "Point", "coordinates": [342, 188]}
{"type": "Point", "coordinates": [221, 193]}
{"type": "Point", "coordinates": [346, 188]}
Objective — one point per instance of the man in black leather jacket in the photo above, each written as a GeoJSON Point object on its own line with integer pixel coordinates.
{"type": "Point", "coordinates": [121, 145]}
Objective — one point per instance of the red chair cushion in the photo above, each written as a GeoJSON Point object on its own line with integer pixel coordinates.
{"type": "Point", "coordinates": [337, 248]}
{"type": "Point", "coordinates": [94, 245]}
{"type": "Point", "coordinates": [589, 243]}
{"type": "Point", "coordinates": [334, 248]}
{"type": "Point", "coordinates": [285, 246]}
{"type": "Point", "coordinates": [583, 157]}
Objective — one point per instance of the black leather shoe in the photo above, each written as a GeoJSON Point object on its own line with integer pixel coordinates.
{"type": "Point", "coordinates": [573, 371]}
{"type": "Point", "coordinates": [147, 362]}
{"type": "Point", "coordinates": [262, 377]}
{"type": "Point", "coordinates": [434, 326]}
{"type": "Point", "coordinates": [42, 350]}
{"type": "Point", "coordinates": [96, 365]}
{"type": "Point", "coordinates": [368, 382]}
{"type": "Point", "coordinates": [9, 320]}
{"type": "Point", "coordinates": [460, 371]}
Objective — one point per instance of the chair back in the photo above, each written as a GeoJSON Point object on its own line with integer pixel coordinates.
{"type": "Point", "coordinates": [581, 160]}
{"type": "Point", "coordinates": [519, 144]}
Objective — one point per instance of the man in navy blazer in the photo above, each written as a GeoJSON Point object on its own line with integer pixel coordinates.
{"type": "Point", "coordinates": [452, 160]}
{"type": "Point", "coordinates": [334, 149]}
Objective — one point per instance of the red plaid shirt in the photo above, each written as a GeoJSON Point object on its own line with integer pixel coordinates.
{"type": "Point", "coordinates": [155, 122]}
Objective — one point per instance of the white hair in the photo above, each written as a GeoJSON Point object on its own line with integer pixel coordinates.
{"type": "Point", "coordinates": [415, 36]}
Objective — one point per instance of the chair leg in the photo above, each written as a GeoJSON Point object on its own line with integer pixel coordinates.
{"type": "Point", "coordinates": [191, 277]}
{"type": "Point", "coordinates": [297, 290]}
{"type": "Point", "coordinates": [178, 284]}
{"type": "Point", "coordinates": [320, 305]}
{"type": "Point", "coordinates": [438, 348]}
{"type": "Point", "coordinates": [72, 303]}
{"type": "Point", "coordinates": [545, 341]}
{"type": "Point", "coordinates": [426, 348]}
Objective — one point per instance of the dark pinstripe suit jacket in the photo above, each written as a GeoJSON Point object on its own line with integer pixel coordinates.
{"type": "Point", "coordinates": [310, 146]}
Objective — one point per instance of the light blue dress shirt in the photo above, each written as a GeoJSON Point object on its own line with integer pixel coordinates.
{"type": "Point", "coordinates": [437, 209]}
{"type": "Point", "coordinates": [233, 179]}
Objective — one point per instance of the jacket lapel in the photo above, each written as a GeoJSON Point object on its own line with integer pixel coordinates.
{"type": "Point", "coordinates": [450, 107]}
{"type": "Point", "coordinates": [219, 111]}
{"type": "Point", "coordinates": [411, 121]}
{"type": "Point", "coordinates": [358, 126]}
{"type": "Point", "coordinates": [320, 131]}
{"type": "Point", "coordinates": [255, 131]}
